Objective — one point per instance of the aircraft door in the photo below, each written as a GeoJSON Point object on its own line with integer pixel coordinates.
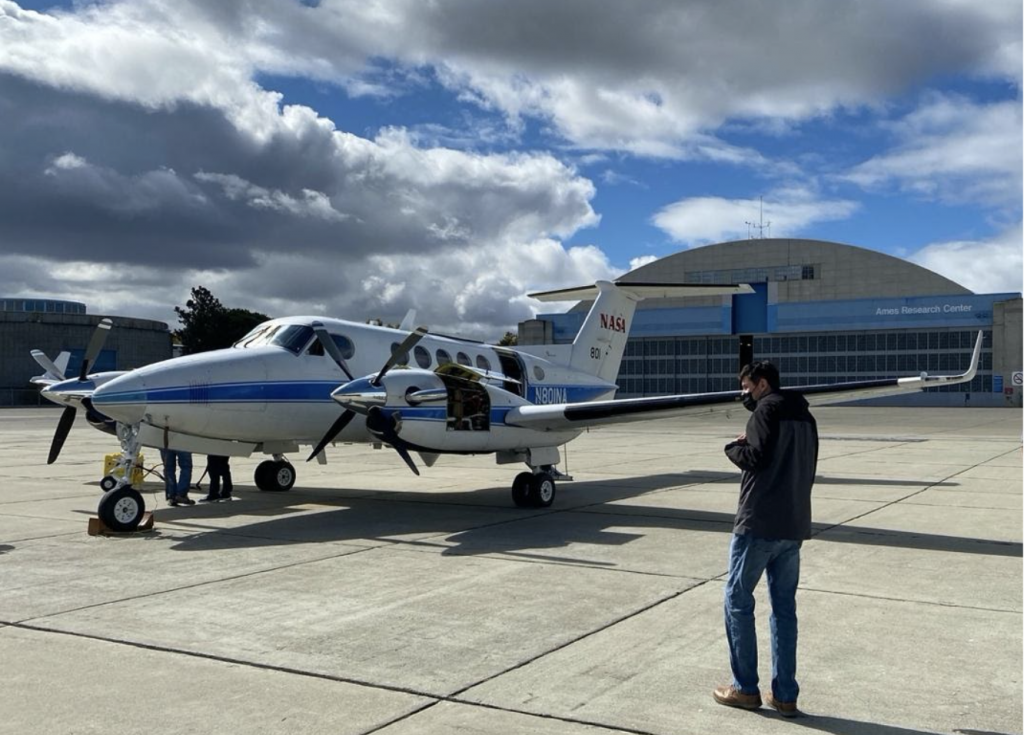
{"type": "Point", "coordinates": [512, 367]}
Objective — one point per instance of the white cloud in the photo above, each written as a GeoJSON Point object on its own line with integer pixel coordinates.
{"type": "Point", "coordinates": [985, 266]}
{"type": "Point", "coordinates": [641, 261]}
{"type": "Point", "coordinates": [665, 75]}
{"type": "Point", "coordinates": [702, 220]}
{"type": "Point", "coordinates": [954, 150]}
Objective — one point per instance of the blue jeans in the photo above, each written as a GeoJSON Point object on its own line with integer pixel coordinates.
{"type": "Point", "coordinates": [175, 485]}
{"type": "Point", "coordinates": [749, 557]}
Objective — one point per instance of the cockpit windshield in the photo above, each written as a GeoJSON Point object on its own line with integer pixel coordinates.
{"type": "Point", "coordinates": [293, 337]}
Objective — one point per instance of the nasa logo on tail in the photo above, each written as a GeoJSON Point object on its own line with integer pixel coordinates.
{"type": "Point", "coordinates": [614, 323]}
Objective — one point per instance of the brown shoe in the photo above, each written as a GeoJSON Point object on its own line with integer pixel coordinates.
{"type": "Point", "coordinates": [786, 709]}
{"type": "Point", "coordinates": [730, 696]}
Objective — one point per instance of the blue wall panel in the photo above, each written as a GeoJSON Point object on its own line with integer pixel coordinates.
{"type": "Point", "coordinates": [756, 316]}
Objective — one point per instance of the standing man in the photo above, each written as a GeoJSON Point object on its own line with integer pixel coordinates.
{"type": "Point", "coordinates": [778, 455]}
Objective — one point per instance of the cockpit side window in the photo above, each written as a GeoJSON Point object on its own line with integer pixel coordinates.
{"type": "Point", "coordinates": [293, 337]}
{"type": "Point", "coordinates": [345, 346]}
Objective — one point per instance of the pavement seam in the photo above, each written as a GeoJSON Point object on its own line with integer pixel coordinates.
{"type": "Point", "coordinates": [588, 634]}
{"type": "Point", "coordinates": [435, 698]}
{"type": "Point", "coordinates": [913, 602]}
{"type": "Point", "coordinates": [913, 494]}
{"type": "Point", "coordinates": [196, 585]}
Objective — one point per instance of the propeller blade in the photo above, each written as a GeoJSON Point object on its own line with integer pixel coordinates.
{"type": "Point", "coordinates": [407, 344]}
{"type": "Point", "coordinates": [95, 346]}
{"type": "Point", "coordinates": [332, 432]}
{"type": "Point", "coordinates": [331, 347]}
{"type": "Point", "coordinates": [47, 364]}
{"type": "Point", "coordinates": [404, 454]}
{"type": "Point", "coordinates": [67, 419]}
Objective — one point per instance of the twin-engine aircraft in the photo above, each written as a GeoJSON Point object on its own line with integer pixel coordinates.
{"type": "Point", "coordinates": [312, 381]}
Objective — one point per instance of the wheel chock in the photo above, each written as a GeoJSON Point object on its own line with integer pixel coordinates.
{"type": "Point", "coordinates": [99, 528]}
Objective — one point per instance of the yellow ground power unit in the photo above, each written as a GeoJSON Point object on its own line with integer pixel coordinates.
{"type": "Point", "coordinates": [110, 468]}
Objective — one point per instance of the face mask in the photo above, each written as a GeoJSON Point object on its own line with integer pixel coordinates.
{"type": "Point", "coordinates": [749, 402]}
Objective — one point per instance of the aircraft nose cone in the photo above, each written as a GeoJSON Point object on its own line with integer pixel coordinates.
{"type": "Point", "coordinates": [123, 399]}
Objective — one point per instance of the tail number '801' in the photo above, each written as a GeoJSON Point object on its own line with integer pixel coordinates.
{"type": "Point", "coordinates": [595, 353]}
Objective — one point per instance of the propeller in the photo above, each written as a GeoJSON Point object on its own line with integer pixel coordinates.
{"type": "Point", "coordinates": [331, 347]}
{"type": "Point", "coordinates": [49, 366]}
{"type": "Point", "coordinates": [407, 344]}
{"type": "Point", "coordinates": [387, 430]}
{"type": "Point", "coordinates": [67, 418]}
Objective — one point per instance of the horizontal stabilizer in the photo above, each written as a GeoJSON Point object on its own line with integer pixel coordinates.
{"type": "Point", "coordinates": [644, 291]}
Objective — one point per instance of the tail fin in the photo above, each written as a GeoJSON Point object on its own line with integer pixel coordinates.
{"type": "Point", "coordinates": [601, 342]}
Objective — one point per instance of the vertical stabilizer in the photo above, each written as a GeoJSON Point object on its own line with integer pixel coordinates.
{"type": "Point", "coordinates": [601, 341]}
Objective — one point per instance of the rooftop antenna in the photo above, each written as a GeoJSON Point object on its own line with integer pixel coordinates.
{"type": "Point", "coordinates": [760, 226]}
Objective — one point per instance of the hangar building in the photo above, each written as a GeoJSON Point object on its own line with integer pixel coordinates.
{"type": "Point", "coordinates": [54, 326]}
{"type": "Point", "coordinates": [823, 312]}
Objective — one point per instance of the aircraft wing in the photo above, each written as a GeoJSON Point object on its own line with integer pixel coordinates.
{"type": "Point", "coordinates": [597, 413]}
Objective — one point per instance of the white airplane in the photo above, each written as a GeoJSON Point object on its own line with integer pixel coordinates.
{"type": "Point", "coordinates": [311, 381]}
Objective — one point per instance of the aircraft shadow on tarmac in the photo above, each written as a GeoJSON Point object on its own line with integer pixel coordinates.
{"type": "Point", "coordinates": [483, 522]}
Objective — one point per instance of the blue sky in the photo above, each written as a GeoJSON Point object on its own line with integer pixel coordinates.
{"type": "Point", "coordinates": [360, 159]}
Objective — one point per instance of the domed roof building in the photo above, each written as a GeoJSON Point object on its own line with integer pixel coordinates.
{"type": "Point", "coordinates": [824, 312]}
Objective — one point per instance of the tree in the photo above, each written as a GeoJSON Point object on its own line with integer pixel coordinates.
{"type": "Point", "coordinates": [208, 325]}
{"type": "Point", "coordinates": [511, 339]}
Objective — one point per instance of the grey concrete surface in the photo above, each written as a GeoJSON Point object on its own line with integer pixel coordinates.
{"type": "Point", "coordinates": [367, 600]}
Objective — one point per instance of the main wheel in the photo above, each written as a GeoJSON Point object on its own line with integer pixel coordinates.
{"type": "Point", "coordinates": [541, 491]}
{"type": "Point", "coordinates": [275, 477]}
{"type": "Point", "coordinates": [122, 509]}
{"type": "Point", "coordinates": [521, 489]}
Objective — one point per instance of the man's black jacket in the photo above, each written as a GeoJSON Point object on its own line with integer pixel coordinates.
{"type": "Point", "coordinates": [778, 459]}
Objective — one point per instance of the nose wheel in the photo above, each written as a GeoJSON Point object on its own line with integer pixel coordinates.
{"type": "Point", "coordinates": [275, 476]}
{"type": "Point", "coordinates": [533, 490]}
{"type": "Point", "coordinates": [121, 509]}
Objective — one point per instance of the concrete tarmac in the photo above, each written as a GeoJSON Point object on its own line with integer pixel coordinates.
{"type": "Point", "coordinates": [368, 600]}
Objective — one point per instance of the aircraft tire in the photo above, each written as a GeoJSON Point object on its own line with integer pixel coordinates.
{"type": "Point", "coordinates": [108, 483]}
{"type": "Point", "coordinates": [521, 490]}
{"type": "Point", "coordinates": [274, 477]}
{"type": "Point", "coordinates": [541, 492]}
{"type": "Point", "coordinates": [122, 509]}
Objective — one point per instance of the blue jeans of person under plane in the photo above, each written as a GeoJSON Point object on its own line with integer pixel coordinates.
{"type": "Point", "coordinates": [177, 472]}
{"type": "Point", "coordinates": [749, 558]}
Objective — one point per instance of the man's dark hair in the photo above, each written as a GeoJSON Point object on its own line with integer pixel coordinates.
{"type": "Point", "coordinates": [755, 371]}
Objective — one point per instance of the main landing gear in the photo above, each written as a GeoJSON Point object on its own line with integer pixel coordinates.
{"type": "Point", "coordinates": [533, 489]}
{"type": "Point", "coordinates": [275, 475]}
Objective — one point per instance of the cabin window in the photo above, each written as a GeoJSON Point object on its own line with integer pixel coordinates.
{"type": "Point", "coordinates": [463, 359]}
{"type": "Point", "coordinates": [538, 372]}
{"type": "Point", "coordinates": [443, 358]}
{"type": "Point", "coordinates": [422, 356]}
{"type": "Point", "coordinates": [483, 363]}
